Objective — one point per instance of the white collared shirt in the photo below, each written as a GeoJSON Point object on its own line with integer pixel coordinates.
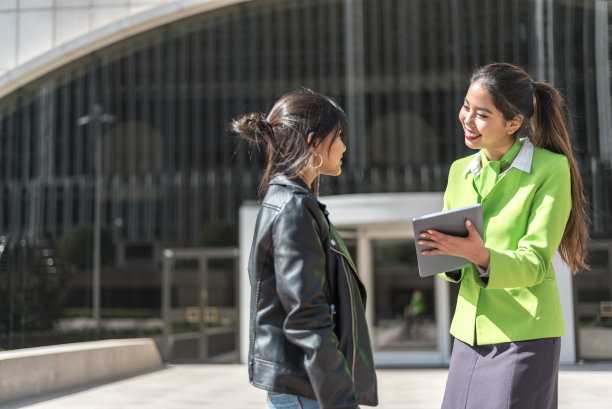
{"type": "Point", "coordinates": [522, 161]}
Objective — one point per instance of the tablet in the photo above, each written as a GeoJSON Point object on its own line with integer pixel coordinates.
{"type": "Point", "coordinates": [448, 222]}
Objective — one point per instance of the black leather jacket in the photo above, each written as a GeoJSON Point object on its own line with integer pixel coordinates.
{"type": "Point", "coordinates": [308, 334]}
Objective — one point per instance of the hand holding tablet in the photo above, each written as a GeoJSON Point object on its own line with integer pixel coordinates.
{"type": "Point", "coordinates": [450, 222]}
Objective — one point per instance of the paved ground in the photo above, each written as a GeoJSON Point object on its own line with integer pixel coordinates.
{"type": "Point", "coordinates": [227, 387]}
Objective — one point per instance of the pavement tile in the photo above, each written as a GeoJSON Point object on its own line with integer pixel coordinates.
{"type": "Point", "coordinates": [226, 387]}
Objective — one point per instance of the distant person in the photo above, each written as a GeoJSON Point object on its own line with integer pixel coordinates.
{"type": "Point", "coordinates": [309, 341]}
{"type": "Point", "coordinates": [508, 321]}
{"type": "Point", "coordinates": [413, 311]}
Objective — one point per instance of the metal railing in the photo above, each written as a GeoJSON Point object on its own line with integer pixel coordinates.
{"type": "Point", "coordinates": [201, 314]}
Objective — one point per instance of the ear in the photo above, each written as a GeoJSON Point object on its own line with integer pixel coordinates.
{"type": "Point", "coordinates": [309, 137]}
{"type": "Point", "coordinates": [514, 124]}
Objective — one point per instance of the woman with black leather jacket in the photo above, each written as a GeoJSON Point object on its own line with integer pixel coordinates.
{"type": "Point", "coordinates": [309, 341]}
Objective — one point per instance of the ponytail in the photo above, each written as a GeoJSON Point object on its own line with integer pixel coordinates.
{"type": "Point", "coordinates": [253, 127]}
{"type": "Point", "coordinates": [256, 129]}
{"type": "Point", "coordinates": [549, 131]}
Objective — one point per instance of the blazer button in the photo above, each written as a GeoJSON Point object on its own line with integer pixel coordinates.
{"type": "Point", "coordinates": [333, 242]}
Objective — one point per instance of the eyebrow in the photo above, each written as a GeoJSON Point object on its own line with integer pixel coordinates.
{"type": "Point", "coordinates": [478, 108]}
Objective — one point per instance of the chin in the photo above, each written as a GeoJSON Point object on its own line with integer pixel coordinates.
{"type": "Point", "coordinates": [473, 144]}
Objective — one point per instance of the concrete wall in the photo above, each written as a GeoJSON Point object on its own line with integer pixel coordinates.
{"type": "Point", "coordinates": [41, 36]}
{"type": "Point", "coordinates": [30, 372]}
{"type": "Point", "coordinates": [595, 343]}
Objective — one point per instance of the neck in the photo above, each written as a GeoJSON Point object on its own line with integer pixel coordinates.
{"type": "Point", "coordinates": [308, 175]}
{"type": "Point", "coordinates": [496, 154]}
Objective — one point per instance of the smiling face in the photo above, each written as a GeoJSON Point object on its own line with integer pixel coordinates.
{"type": "Point", "coordinates": [331, 150]}
{"type": "Point", "coordinates": [484, 125]}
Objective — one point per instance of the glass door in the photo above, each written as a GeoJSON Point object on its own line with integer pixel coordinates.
{"type": "Point", "coordinates": [408, 315]}
{"type": "Point", "coordinates": [404, 304]}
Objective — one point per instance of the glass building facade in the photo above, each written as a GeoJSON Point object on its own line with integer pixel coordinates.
{"type": "Point", "coordinates": [155, 107]}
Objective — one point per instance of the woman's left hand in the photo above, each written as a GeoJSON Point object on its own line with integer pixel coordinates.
{"type": "Point", "coordinates": [470, 247]}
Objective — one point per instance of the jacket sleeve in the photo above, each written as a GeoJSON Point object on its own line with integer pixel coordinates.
{"type": "Point", "coordinates": [531, 262]}
{"type": "Point", "coordinates": [299, 262]}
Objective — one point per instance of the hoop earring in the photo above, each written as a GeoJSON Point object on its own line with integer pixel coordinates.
{"type": "Point", "coordinates": [320, 163]}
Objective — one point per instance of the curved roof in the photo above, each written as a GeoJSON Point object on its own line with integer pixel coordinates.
{"type": "Point", "coordinates": [104, 36]}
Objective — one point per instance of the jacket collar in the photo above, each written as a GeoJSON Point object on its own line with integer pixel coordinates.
{"type": "Point", "coordinates": [298, 185]}
{"type": "Point", "coordinates": [292, 182]}
{"type": "Point", "coordinates": [522, 160]}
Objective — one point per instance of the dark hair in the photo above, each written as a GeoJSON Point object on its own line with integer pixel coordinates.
{"type": "Point", "coordinates": [545, 117]}
{"type": "Point", "coordinates": [285, 131]}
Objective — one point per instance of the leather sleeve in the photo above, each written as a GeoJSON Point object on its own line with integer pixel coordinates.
{"type": "Point", "coordinates": [299, 261]}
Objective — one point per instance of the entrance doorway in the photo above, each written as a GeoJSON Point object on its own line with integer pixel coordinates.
{"type": "Point", "coordinates": [408, 315]}
{"type": "Point", "coordinates": [404, 307]}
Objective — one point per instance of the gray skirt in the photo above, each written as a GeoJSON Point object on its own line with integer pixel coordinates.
{"type": "Point", "coordinates": [509, 375]}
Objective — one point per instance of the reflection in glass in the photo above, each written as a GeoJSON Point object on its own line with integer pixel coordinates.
{"type": "Point", "coordinates": [404, 302]}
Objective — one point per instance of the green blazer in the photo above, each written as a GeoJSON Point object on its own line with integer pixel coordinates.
{"type": "Point", "coordinates": [524, 219]}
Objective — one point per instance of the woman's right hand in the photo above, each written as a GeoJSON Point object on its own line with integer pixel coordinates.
{"type": "Point", "coordinates": [471, 247]}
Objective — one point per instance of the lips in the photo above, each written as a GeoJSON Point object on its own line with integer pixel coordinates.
{"type": "Point", "coordinates": [470, 135]}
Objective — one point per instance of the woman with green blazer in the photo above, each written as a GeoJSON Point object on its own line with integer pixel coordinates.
{"type": "Point", "coordinates": [508, 321]}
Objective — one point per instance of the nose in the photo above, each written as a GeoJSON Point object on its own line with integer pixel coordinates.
{"type": "Point", "coordinates": [466, 116]}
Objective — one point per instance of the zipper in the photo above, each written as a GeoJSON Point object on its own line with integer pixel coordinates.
{"type": "Point", "coordinates": [347, 274]}
{"type": "Point", "coordinates": [350, 288]}
{"type": "Point", "coordinates": [347, 261]}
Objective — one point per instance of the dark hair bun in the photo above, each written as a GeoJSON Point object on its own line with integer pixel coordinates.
{"type": "Point", "coordinates": [253, 127]}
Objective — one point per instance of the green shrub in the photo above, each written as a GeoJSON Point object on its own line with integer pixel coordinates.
{"type": "Point", "coordinates": [76, 247]}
